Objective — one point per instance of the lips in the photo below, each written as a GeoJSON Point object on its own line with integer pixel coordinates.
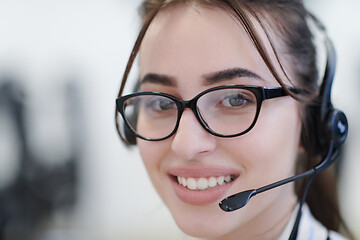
{"type": "Point", "coordinates": [201, 186]}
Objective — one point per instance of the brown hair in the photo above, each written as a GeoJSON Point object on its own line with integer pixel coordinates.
{"type": "Point", "coordinates": [287, 20]}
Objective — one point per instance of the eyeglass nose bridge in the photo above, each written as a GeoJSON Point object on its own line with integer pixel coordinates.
{"type": "Point", "coordinates": [191, 104]}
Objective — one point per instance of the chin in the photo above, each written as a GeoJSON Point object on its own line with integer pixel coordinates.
{"type": "Point", "coordinates": [204, 231]}
{"type": "Point", "coordinates": [208, 222]}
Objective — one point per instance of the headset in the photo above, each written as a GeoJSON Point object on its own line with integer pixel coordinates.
{"type": "Point", "coordinates": [329, 125]}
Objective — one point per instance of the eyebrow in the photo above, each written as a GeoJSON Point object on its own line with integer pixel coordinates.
{"type": "Point", "coordinates": [159, 79]}
{"type": "Point", "coordinates": [208, 79]}
{"type": "Point", "coordinates": [228, 74]}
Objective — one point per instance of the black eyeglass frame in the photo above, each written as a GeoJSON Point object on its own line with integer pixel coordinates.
{"type": "Point", "coordinates": [261, 94]}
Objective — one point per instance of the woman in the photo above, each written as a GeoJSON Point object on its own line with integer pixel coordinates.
{"type": "Point", "coordinates": [204, 66]}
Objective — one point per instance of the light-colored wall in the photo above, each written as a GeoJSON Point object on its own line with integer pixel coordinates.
{"type": "Point", "coordinates": [48, 43]}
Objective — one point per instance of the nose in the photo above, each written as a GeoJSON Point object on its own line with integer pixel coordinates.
{"type": "Point", "coordinates": [191, 140]}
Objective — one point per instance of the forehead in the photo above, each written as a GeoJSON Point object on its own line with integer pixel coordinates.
{"type": "Point", "coordinates": [188, 41]}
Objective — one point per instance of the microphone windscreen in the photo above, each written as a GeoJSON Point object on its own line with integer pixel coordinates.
{"type": "Point", "coordinates": [236, 201]}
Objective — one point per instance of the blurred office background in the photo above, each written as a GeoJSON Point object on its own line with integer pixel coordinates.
{"type": "Point", "coordinates": [63, 172]}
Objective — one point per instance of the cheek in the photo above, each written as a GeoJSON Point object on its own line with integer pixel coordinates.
{"type": "Point", "coordinates": [153, 155]}
{"type": "Point", "coordinates": [150, 155]}
{"type": "Point", "coordinates": [268, 152]}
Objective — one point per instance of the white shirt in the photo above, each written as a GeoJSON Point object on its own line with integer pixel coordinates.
{"type": "Point", "coordinates": [309, 228]}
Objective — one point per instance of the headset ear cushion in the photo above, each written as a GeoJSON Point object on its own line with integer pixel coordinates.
{"type": "Point", "coordinates": [337, 127]}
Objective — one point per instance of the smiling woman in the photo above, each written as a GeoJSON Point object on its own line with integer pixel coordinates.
{"type": "Point", "coordinates": [201, 123]}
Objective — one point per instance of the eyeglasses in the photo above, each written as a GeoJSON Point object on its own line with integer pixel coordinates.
{"type": "Point", "coordinates": [224, 111]}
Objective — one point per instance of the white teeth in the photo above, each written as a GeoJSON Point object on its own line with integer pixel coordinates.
{"type": "Point", "coordinates": [184, 182]}
{"type": "Point", "coordinates": [212, 182]}
{"type": "Point", "coordinates": [179, 179]}
{"type": "Point", "coordinates": [203, 183]}
{"type": "Point", "coordinates": [191, 183]}
{"type": "Point", "coordinates": [220, 180]}
{"type": "Point", "coordinates": [227, 178]}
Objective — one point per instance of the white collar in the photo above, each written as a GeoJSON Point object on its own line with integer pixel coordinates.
{"type": "Point", "coordinates": [309, 228]}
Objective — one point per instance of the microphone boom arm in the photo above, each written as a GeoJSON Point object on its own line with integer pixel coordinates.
{"type": "Point", "coordinates": [239, 200]}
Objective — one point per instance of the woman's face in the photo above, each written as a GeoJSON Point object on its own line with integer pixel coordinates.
{"type": "Point", "coordinates": [184, 45]}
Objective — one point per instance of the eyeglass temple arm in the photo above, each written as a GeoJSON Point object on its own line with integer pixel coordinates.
{"type": "Point", "coordinates": [269, 93]}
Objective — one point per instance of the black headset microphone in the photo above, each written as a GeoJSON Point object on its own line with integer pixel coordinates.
{"type": "Point", "coordinates": [331, 128]}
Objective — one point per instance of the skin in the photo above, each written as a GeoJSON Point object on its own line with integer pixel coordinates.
{"type": "Point", "coordinates": [185, 44]}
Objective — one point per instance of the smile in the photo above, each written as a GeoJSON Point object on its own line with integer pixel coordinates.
{"type": "Point", "coordinates": [202, 183]}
